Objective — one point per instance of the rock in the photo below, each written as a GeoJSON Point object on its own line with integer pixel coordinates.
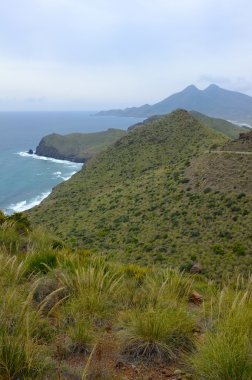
{"type": "Point", "coordinates": [196, 298]}
{"type": "Point", "coordinates": [196, 268]}
{"type": "Point", "coordinates": [30, 151]}
{"type": "Point", "coordinates": [245, 136]}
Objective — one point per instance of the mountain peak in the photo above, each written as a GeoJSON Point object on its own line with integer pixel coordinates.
{"type": "Point", "coordinates": [212, 87]}
{"type": "Point", "coordinates": [192, 87]}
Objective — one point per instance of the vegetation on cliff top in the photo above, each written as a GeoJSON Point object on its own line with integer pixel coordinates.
{"type": "Point", "coordinates": [77, 146]}
{"type": "Point", "coordinates": [228, 129]}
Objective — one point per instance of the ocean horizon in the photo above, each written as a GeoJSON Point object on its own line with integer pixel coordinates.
{"type": "Point", "coordinates": [25, 179]}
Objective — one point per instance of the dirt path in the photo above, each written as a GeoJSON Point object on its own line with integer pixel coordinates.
{"type": "Point", "coordinates": [228, 151]}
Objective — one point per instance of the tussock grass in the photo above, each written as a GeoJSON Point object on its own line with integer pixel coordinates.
{"type": "Point", "coordinates": [63, 303]}
{"type": "Point", "coordinates": [94, 288]}
{"type": "Point", "coordinates": [226, 351]}
{"type": "Point", "coordinates": [19, 358]}
{"type": "Point", "coordinates": [157, 333]}
{"type": "Point", "coordinates": [40, 262]}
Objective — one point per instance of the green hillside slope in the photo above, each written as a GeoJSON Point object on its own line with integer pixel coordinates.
{"type": "Point", "coordinates": [229, 129]}
{"type": "Point", "coordinates": [135, 202]}
{"type": "Point", "coordinates": [77, 147]}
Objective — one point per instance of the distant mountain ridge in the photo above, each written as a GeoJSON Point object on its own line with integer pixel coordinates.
{"type": "Point", "coordinates": [212, 101]}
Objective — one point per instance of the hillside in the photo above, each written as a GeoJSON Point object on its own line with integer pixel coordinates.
{"type": "Point", "coordinates": [242, 144]}
{"type": "Point", "coordinates": [78, 147]}
{"type": "Point", "coordinates": [227, 169]}
{"type": "Point", "coordinates": [229, 129]}
{"type": "Point", "coordinates": [222, 171]}
{"type": "Point", "coordinates": [213, 101]}
{"type": "Point", "coordinates": [134, 202]}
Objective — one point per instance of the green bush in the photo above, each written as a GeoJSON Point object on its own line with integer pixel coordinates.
{"type": "Point", "coordinates": [225, 354]}
{"type": "Point", "coordinates": [239, 249]}
{"type": "Point", "coordinates": [218, 249]}
{"type": "Point", "coordinates": [163, 334]}
{"type": "Point", "coordinates": [40, 262]}
{"type": "Point", "coordinates": [19, 358]}
{"type": "Point", "coordinates": [135, 271]}
{"type": "Point", "coordinates": [81, 334]}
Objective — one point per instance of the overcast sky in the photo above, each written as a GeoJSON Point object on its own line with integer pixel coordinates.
{"type": "Point", "coordinates": [98, 54]}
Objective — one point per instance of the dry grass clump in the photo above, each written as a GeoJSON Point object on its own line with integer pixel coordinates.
{"type": "Point", "coordinates": [226, 351]}
{"type": "Point", "coordinates": [163, 334]}
{"type": "Point", "coordinates": [77, 307]}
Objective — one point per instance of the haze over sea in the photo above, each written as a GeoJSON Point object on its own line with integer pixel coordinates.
{"type": "Point", "coordinates": [25, 180]}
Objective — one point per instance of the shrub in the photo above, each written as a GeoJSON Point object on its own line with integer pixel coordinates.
{"type": "Point", "coordinates": [19, 358]}
{"type": "Point", "coordinates": [135, 271]}
{"type": "Point", "coordinates": [40, 262]}
{"type": "Point", "coordinates": [81, 334]}
{"type": "Point", "coordinates": [21, 222]}
{"type": "Point", "coordinates": [186, 267]}
{"type": "Point", "coordinates": [10, 239]}
{"type": "Point", "coordinates": [239, 249]}
{"type": "Point", "coordinates": [94, 288]}
{"type": "Point", "coordinates": [225, 354]}
{"type": "Point", "coordinates": [157, 333]}
{"type": "Point", "coordinates": [207, 190]}
{"type": "Point", "coordinates": [218, 249]}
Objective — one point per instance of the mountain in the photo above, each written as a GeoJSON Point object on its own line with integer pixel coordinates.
{"type": "Point", "coordinates": [140, 200]}
{"type": "Point", "coordinates": [78, 147]}
{"type": "Point", "coordinates": [213, 101]}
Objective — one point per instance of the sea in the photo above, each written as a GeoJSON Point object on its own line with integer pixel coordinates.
{"type": "Point", "coordinates": [25, 180]}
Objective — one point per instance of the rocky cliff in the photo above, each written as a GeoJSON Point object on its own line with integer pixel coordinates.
{"type": "Point", "coordinates": [77, 147]}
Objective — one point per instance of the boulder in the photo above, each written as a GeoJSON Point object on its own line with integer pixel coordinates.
{"type": "Point", "coordinates": [196, 298]}
{"type": "Point", "coordinates": [196, 268]}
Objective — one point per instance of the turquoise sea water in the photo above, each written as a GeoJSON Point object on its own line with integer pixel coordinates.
{"type": "Point", "coordinates": [25, 180]}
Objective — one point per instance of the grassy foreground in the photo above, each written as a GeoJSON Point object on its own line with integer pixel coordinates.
{"type": "Point", "coordinates": [71, 314]}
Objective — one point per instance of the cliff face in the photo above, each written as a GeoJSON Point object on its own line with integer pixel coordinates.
{"type": "Point", "coordinates": [77, 147]}
{"type": "Point", "coordinates": [47, 149]}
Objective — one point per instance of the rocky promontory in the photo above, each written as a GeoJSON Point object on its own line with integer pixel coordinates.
{"type": "Point", "coordinates": [77, 147]}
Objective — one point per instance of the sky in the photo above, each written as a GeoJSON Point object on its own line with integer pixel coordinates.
{"type": "Point", "coordinates": [101, 54]}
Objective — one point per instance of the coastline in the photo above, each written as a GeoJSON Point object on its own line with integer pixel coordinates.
{"type": "Point", "coordinates": [30, 202]}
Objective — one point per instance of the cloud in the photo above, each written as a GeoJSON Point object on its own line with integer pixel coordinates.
{"type": "Point", "coordinates": [102, 53]}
